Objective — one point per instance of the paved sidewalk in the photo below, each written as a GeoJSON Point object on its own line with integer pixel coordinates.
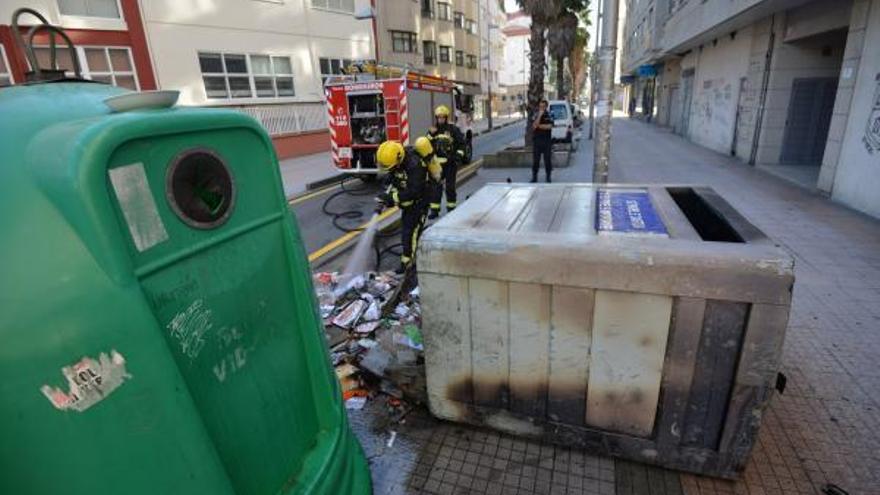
{"type": "Point", "coordinates": [825, 428]}
{"type": "Point", "coordinates": [297, 173]}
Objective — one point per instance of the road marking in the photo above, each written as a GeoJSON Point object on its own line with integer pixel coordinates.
{"type": "Point", "coordinates": [348, 236]}
{"type": "Point", "coordinates": [322, 251]}
{"type": "Point", "coordinates": [299, 199]}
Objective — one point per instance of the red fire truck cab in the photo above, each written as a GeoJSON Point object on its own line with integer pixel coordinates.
{"type": "Point", "coordinates": [364, 110]}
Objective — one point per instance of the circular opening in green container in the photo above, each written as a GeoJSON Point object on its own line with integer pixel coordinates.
{"type": "Point", "coordinates": [200, 188]}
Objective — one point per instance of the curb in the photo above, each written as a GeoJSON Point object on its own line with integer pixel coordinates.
{"type": "Point", "coordinates": [480, 133]}
{"type": "Point", "coordinates": [326, 181]}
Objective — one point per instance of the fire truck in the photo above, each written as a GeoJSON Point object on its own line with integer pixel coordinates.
{"type": "Point", "coordinates": [372, 103]}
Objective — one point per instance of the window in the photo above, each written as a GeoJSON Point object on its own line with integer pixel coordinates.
{"type": "Point", "coordinates": [338, 5]}
{"type": "Point", "coordinates": [459, 20]}
{"type": "Point", "coordinates": [470, 26]}
{"type": "Point", "coordinates": [108, 9]}
{"type": "Point", "coordinates": [403, 41]}
{"type": "Point", "coordinates": [332, 66]}
{"type": "Point", "coordinates": [5, 71]}
{"type": "Point", "coordinates": [235, 75]}
{"type": "Point", "coordinates": [428, 9]}
{"type": "Point", "coordinates": [444, 11]}
{"type": "Point", "coordinates": [445, 52]}
{"type": "Point", "coordinates": [107, 64]}
{"type": "Point", "coordinates": [471, 62]}
{"type": "Point", "coordinates": [429, 51]}
{"type": "Point", "coordinates": [459, 58]}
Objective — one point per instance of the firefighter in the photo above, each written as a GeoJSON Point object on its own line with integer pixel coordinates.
{"type": "Point", "coordinates": [449, 144]}
{"type": "Point", "coordinates": [409, 171]}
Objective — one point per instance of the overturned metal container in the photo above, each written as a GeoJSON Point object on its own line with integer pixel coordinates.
{"type": "Point", "coordinates": [644, 322]}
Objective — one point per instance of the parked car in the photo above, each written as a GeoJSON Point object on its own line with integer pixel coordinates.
{"type": "Point", "coordinates": [563, 123]}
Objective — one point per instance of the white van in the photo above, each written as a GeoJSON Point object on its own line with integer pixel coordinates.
{"type": "Point", "coordinates": [563, 123]}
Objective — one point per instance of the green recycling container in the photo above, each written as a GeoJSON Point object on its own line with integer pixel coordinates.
{"type": "Point", "coordinates": [158, 328]}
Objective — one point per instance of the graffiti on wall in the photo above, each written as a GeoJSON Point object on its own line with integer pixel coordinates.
{"type": "Point", "coordinates": [872, 128]}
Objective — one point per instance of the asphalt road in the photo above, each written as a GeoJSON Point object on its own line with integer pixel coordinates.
{"type": "Point", "coordinates": [317, 227]}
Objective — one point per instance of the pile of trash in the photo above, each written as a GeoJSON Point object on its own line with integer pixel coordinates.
{"type": "Point", "coordinates": [373, 331]}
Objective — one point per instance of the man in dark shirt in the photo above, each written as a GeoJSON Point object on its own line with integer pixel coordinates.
{"type": "Point", "coordinates": [542, 144]}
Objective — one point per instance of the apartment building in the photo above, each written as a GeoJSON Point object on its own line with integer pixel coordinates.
{"type": "Point", "coordinates": [266, 58]}
{"type": "Point", "coordinates": [109, 34]}
{"type": "Point", "coordinates": [440, 37]}
{"type": "Point", "coordinates": [792, 86]}
{"type": "Point", "coordinates": [515, 67]}
{"type": "Point", "coordinates": [492, 40]}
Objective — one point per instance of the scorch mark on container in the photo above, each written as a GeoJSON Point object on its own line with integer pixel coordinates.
{"type": "Point", "coordinates": [89, 382]}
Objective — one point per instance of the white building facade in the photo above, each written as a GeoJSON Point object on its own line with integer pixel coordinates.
{"type": "Point", "coordinates": [514, 73]}
{"type": "Point", "coordinates": [492, 41]}
{"type": "Point", "coordinates": [265, 58]}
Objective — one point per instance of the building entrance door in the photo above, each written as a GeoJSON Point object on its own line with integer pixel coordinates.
{"type": "Point", "coordinates": [809, 117]}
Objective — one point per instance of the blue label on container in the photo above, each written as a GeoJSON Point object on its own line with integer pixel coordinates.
{"type": "Point", "coordinates": [627, 211]}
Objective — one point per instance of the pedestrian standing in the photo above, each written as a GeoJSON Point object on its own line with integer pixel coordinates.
{"type": "Point", "coordinates": [542, 143]}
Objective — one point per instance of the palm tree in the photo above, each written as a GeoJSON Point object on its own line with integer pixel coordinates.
{"type": "Point", "coordinates": [578, 61]}
{"type": "Point", "coordinates": [561, 39]}
{"type": "Point", "coordinates": [542, 13]}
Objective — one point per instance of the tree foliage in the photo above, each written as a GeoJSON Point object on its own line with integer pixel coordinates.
{"type": "Point", "coordinates": [556, 22]}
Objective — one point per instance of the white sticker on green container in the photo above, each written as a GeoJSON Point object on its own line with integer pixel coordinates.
{"type": "Point", "coordinates": [138, 206]}
{"type": "Point", "coordinates": [89, 381]}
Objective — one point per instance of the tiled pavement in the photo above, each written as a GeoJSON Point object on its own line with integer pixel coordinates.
{"type": "Point", "coordinates": [825, 428]}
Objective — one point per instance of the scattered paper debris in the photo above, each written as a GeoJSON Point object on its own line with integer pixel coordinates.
{"type": "Point", "coordinates": [391, 438]}
{"type": "Point", "coordinates": [348, 316]}
{"type": "Point", "coordinates": [355, 403]}
{"type": "Point", "coordinates": [376, 346]}
{"type": "Point", "coordinates": [367, 327]}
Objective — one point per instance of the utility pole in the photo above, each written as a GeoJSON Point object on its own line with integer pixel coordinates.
{"type": "Point", "coordinates": [593, 79]}
{"type": "Point", "coordinates": [605, 100]}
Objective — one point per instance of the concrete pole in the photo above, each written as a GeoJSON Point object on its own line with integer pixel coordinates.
{"type": "Point", "coordinates": [605, 100]}
{"type": "Point", "coordinates": [489, 63]}
{"type": "Point", "coordinates": [593, 79]}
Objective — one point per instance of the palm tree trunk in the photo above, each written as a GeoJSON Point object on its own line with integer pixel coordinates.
{"type": "Point", "coordinates": [560, 78]}
{"type": "Point", "coordinates": [536, 75]}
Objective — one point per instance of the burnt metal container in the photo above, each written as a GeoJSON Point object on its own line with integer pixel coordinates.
{"type": "Point", "coordinates": [639, 321]}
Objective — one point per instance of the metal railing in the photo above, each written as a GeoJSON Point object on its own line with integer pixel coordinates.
{"type": "Point", "coordinates": [288, 118]}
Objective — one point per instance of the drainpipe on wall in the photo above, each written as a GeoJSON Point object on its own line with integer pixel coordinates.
{"type": "Point", "coordinates": [375, 29]}
{"type": "Point", "coordinates": [765, 84]}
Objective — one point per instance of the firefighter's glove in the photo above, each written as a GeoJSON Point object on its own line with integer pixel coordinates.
{"type": "Point", "coordinates": [385, 200]}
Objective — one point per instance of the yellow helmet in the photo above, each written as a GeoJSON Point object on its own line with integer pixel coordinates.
{"type": "Point", "coordinates": [389, 154]}
{"type": "Point", "coordinates": [423, 146]}
{"type": "Point", "coordinates": [442, 111]}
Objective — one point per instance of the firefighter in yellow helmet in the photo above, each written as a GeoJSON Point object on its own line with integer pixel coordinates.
{"type": "Point", "coordinates": [409, 176]}
{"type": "Point", "coordinates": [449, 145]}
